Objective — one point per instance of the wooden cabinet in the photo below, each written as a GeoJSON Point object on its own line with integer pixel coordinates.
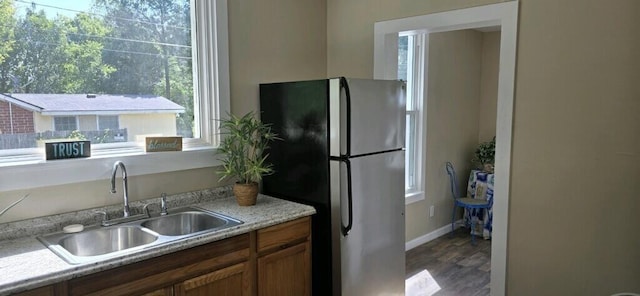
{"type": "Point", "coordinates": [234, 280]}
{"type": "Point", "coordinates": [159, 275]}
{"type": "Point", "coordinates": [285, 272]}
{"type": "Point", "coordinates": [272, 261]}
{"type": "Point", "coordinates": [42, 291]}
{"type": "Point", "coordinates": [284, 259]}
{"type": "Point", "coordinates": [161, 292]}
{"type": "Point", "coordinates": [58, 289]}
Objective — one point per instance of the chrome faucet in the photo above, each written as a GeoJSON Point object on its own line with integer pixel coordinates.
{"type": "Point", "coordinates": [163, 204]}
{"type": "Point", "coordinates": [125, 186]}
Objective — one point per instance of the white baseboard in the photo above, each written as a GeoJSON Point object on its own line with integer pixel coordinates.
{"type": "Point", "coordinates": [430, 236]}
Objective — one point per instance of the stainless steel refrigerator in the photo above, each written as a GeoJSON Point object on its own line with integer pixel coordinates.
{"type": "Point", "coordinates": [343, 153]}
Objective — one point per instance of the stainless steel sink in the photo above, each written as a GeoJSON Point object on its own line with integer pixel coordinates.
{"type": "Point", "coordinates": [106, 240]}
{"type": "Point", "coordinates": [184, 223]}
{"type": "Point", "coordinates": [98, 243]}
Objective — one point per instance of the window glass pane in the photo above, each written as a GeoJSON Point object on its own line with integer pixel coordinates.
{"type": "Point", "coordinates": [406, 52]}
{"type": "Point", "coordinates": [410, 155]}
{"type": "Point", "coordinates": [403, 43]}
{"type": "Point", "coordinates": [110, 131]}
{"type": "Point", "coordinates": [65, 123]}
{"type": "Point", "coordinates": [129, 59]}
{"type": "Point", "coordinates": [108, 122]}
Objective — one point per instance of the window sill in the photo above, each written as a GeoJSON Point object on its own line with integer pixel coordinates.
{"type": "Point", "coordinates": [43, 173]}
{"type": "Point", "coordinates": [413, 197]}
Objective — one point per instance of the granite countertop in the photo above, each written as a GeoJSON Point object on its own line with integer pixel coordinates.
{"type": "Point", "coordinates": [25, 263]}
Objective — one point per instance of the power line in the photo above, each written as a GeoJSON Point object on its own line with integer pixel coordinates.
{"type": "Point", "coordinates": [102, 15]}
{"type": "Point", "coordinates": [130, 40]}
{"type": "Point", "coordinates": [119, 51]}
{"type": "Point", "coordinates": [146, 53]}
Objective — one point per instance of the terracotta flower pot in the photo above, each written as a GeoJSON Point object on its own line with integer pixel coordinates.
{"type": "Point", "coordinates": [246, 194]}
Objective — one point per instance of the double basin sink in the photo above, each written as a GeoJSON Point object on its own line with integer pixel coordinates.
{"type": "Point", "coordinates": [96, 243]}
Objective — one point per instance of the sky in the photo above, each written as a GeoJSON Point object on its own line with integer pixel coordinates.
{"type": "Point", "coordinates": [49, 6]}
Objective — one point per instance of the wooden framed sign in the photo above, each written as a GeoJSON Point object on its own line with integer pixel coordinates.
{"type": "Point", "coordinates": [65, 150]}
{"type": "Point", "coordinates": [160, 144]}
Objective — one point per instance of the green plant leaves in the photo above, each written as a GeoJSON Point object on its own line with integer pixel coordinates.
{"type": "Point", "coordinates": [245, 140]}
{"type": "Point", "coordinates": [486, 152]}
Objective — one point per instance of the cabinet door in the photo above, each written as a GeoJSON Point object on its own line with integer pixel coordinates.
{"type": "Point", "coordinates": [234, 280]}
{"type": "Point", "coordinates": [162, 292]}
{"type": "Point", "coordinates": [286, 272]}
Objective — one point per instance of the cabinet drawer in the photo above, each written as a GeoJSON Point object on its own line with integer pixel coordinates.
{"type": "Point", "coordinates": [159, 272]}
{"type": "Point", "coordinates": [43, 291]}
{"type": "Point", "coordinates": [285, 234]}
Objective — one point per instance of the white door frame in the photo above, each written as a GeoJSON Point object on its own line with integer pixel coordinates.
{"type": "Point", "coordinates": [504, 15]}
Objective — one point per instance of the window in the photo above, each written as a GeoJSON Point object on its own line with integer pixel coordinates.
{"type": "Point", "coordinates": [411, 70]}
{"type": "Point", "coordinates": [108, 122]}
{"type": "Point", "coordinates": [65, 123]}
{"type": "Point", "coordinates": [88, 58]}
{"type": "Point", "coordinates": [129, 66]}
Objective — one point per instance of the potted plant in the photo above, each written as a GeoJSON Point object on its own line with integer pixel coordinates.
{"type": "Point", "coordinates": [244, 142]}
{"type": "Point", "coordinates": [485, 155]}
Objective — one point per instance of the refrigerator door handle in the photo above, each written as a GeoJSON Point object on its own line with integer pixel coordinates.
{"type": "Point", "coordinates": [345, 229]}
{"type": "Point", "coordinates": [344, 85]}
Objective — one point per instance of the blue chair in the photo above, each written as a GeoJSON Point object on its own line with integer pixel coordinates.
{"type": "Point", "coordinates": [468, 203]}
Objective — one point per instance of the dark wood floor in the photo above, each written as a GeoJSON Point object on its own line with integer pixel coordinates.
{"type": "Point", "coordinates": [454, 267]}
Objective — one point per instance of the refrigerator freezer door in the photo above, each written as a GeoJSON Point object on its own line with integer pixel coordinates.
{"type": "Point", "coordinates": [298, 113]}
{"type": "Point", "coordinates": [371, 255]}
{"type": "Point", "coordinates": [375, 111]}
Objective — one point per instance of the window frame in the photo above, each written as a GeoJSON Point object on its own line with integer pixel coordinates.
{"type": "Point", "coordinates": [415, 108]}
{"type": "Point", "coordinates": [211, 63]}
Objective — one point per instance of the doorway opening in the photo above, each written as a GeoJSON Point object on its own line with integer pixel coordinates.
{"type": "Point", "coordinates": [504, 17]}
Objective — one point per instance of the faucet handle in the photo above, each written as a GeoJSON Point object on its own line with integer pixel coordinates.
{"type": "Point", "coordinates": [145, 210]}
{"type": "Point", "coordinates": [104, 214]}
{"type": "Point", "coordinates": [163, 204]}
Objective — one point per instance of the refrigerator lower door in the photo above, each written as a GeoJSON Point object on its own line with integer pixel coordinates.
{"type": "Point", "coordinates": [371, 255]}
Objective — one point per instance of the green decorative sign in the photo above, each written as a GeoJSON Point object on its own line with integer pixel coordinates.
{"type": "Point", "coordinates": [65, 150]}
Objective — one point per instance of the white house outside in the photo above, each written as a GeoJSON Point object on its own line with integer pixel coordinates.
{"type": "Point", "coordinates": [102, 118]}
